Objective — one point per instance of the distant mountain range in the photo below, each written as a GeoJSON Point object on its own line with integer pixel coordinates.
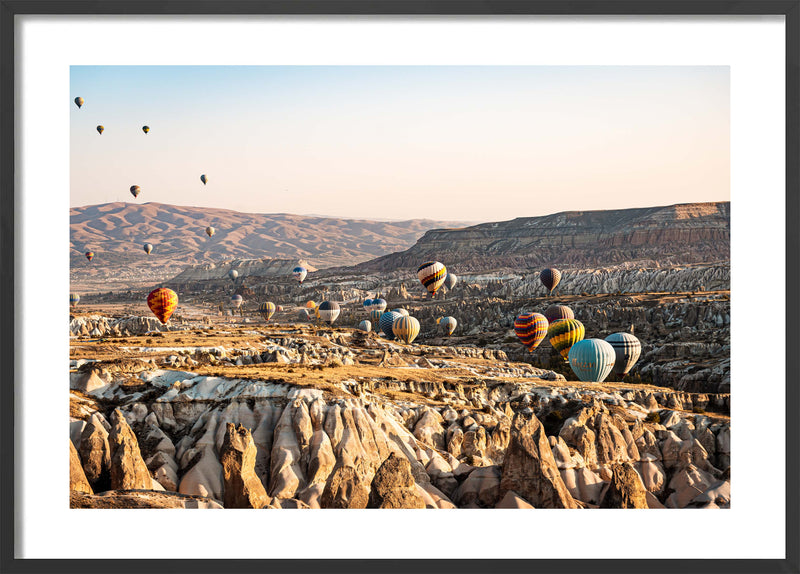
{"type": "Point", "coordinates": [116, 233]}
{"type": "Point", "coordinates": [648, 237]}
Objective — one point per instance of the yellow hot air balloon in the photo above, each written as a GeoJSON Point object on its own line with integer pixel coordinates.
{"type": "Point", "coordinates": [145, 129]}
{"type": "Point", "coordinates": [79, 102]}
{"type": "Point", "coordinates": [210, 231]}
{"type": "Point", "coordinates": [565, 333]}
{"type": "Point", "coordinates": [405, 328]}
{"type": "Point", "coordinates": [100, 129]}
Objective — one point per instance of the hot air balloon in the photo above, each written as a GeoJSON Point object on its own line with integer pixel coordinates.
{"type": "Point", "coordinates": [162, 303]}
{"type": "Point", "coordinates": [236, 301]}
{"type": "Point", "coordinates": [79, 102]}
{"type": "Point", "coordinates": [210, 231]}
{"type": "Point", "coordinates": [592, 359]}
{"type": "Point", "coordinates": [401, 311]}
{"type": "Point", "coordinates": [379, 305]}
{"type": "Point", "coordinates": [100, 129]}
{"type": "Point", "coordinates": [450, 280]}
{"type": "Point", "coordinates": [148, 248]}
{"type": "Point", "coordinates": [303, 315]}
{"type": "Point", "coordinates": [405, 328]}
{"type": "Point", "coordinates": [328, 311]}
{"type": "Point", "coordinates": [145, 129]}
{"type": "Point", "coordinates": [367, 305]}
{"type": "Point", "coordinates": [627, 349]}
{"type": "Point", "coordinates": [204, 179]}
{"type": "Point", "coordinates": [135, 190]}
{"type": "Point", "coordinates": [279, 308]}
{"type": "Point", "coordinates": [310, 304]}
{"type": "Point", "coordinates": [531, 328]}
{"type": "Point", "coordinates": [74, 299]}
{"type": "Point", "coordinates": [556, 312]}
{"type": "Point", "coordinates": [233, 274]}
{"type": "Point", "coordinates": [550, 278]}
{"type": "Point", "coordinates": [449, 325]}
{"type": "Point", "coordinates": [375, 317]}
{"type": "Point", "coordinates": [365, 326]}
{"type": "Point", "coordinates": [267, 310]}
{"type": "Point", "coordinates": [89, 255]}
{"type": "Point", "coordinates": [300, 273]}
{"type": "Point", "coordinates": [432, 274]}
{"type": "Point", "coordinates": [387, 322]}
{"type": "Point", "coordinates": [564, 333]}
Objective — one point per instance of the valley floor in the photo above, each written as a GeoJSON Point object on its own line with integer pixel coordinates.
{"type": "Point", "coordinates": [217, 413]}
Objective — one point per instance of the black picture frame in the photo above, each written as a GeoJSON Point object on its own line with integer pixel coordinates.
{"type": "Point", "coordinates": [790, 9]}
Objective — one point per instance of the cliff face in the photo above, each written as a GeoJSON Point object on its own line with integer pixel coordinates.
{"type": "Point", "coordinates": [677, 234]}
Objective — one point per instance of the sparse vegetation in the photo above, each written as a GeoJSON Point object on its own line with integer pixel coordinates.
{"type": "Point", "coordinates": [653, 418]}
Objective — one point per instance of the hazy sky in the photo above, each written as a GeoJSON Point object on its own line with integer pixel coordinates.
{"type": "Point", "coordinates": [473, 143]}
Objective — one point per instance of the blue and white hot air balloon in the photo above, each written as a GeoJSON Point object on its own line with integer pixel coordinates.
{"type": "Point", "coordinates": [592, 359]}
{"type": "Point", "coordinates": [387, 322]}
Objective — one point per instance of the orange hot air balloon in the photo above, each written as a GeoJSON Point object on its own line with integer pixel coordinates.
{"type": "Point", "coordinates": [162, 303]}
{"type": "Point", "coordinates": [89, 255]}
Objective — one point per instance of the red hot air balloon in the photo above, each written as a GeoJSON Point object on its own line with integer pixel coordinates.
{"type": "Point", "coordinates": [89, 255]}
{"type": "Point", "coordinates": [531, 329]}
{"type": "Point", "coordinates": [162, 303]}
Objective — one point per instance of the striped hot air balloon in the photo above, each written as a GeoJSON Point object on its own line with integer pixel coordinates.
{"type": "Point", "coordinates": [627, 349]}
{"type": "Point", "coordinates": [406, 328]}
{"type": "Point", "coordinates": [300, 273]}
{"type": "Point", "coordinates": [550, 278]}
{"type": "Point", "coordinates": [162, 303]}
{"type": "Point", "coordinates": [401, 311]}
{"type": "Point", "coordinates": [267, 310]}
{"type": "Point", "coordinates": [556, 312]}
{"type": "Point", "coordinates": [365, 326]}
{"type": "Point", "coordinates": [375, 317]}
{"type": "Point", "coordinates": [367, 305]}
{"type": "Point", "coordinates": [135, 190]}
{"type": "Point", "coordinates": [387, 322]}
{"type": "Point", "coordinates": [592, 359]}
{"type": "Point", "coordinates": [100, 129]}
{"type": "Point", "coordinates": [379, 305]}
{"type": "Point", "coordinates": [204, 179]}
{"type": "Point", "coordinates": [89, 255]}
{"type": "Point", "coordinates": [236, 301]}
{"type": "Point", "coordinates": [564, 333]}
{"type": "Point", "coordinates": [74, 299]}
{"type": "Point", "coordinates": [432, 274]}
{"type": "Point", "coordinates": [146, 129]}
{"type": "Point", "coordinates": [448, 324]}
{"type": "Point", "coordinates": [79, 102]}
{"type": "Point", "coordinates": [531, 329]}
{"type": "Point", "coordinates": [328, 311]}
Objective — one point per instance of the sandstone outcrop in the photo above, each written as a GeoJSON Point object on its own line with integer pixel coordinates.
{"type": "Point", "coordinates": [242, 488]}
{"type": "Point", "coordinates": [393, 486]}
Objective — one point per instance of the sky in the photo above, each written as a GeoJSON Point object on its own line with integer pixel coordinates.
{"type": "Point", "coordinates": [464, 143]}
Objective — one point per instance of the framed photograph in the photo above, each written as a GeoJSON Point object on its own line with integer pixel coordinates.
{"type": "Point", "coordinates": [431, 286]}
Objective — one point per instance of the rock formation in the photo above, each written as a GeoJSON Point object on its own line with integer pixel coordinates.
{"type": "Point", "coordinates": [243, 489]}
